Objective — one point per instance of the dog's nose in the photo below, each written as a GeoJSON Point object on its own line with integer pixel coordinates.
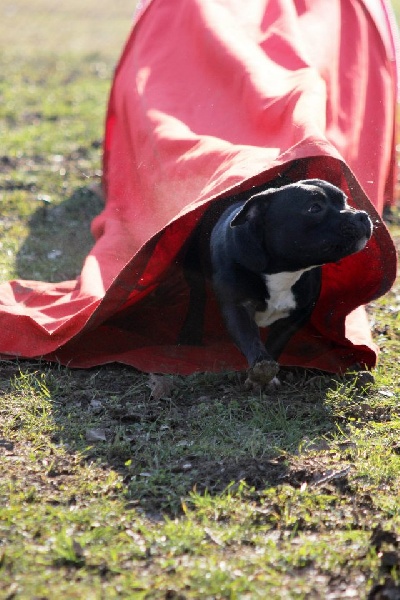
{"type": "Point", "coordinates": [362, 216]}
{"type": "Point", "coordinates": [364, 222]}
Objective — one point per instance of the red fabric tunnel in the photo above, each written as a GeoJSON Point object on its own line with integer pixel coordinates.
{"type": "Point", "coordinates": [210, 98]}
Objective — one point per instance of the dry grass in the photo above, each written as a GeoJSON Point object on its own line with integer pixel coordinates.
{"type": "Point", "coordinates": [80, 27]}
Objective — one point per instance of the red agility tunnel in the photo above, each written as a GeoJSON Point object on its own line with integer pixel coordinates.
{"type": "Point", "coordinates": [212, 97]}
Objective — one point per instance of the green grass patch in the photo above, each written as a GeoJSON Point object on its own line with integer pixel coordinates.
{"type": "Point", "coordinates": [205, 490]}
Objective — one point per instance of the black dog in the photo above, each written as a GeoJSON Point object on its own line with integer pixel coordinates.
{"type": "Point", "coordinates": [264, 258]}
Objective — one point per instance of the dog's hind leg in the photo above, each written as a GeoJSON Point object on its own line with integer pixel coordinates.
{"type": "Point", "coordinates": [191, 332]}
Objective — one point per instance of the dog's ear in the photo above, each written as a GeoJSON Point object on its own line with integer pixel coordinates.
{"type": "Point", "coordinates": [252, 208]}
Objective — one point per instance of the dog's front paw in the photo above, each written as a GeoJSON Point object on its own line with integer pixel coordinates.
{"type": "Point", "coordinates": [262, 374]}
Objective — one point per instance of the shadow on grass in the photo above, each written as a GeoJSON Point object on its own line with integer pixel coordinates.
{"type": "Point", "coordinates": [205, 433]}
{"type": "Point", "coordinates": [59, 238]}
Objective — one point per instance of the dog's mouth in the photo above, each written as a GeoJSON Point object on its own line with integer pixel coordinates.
{"type": "Point", "coordinates": [349, 248]}
{"type": "Point", "coordinates": [346, 247]}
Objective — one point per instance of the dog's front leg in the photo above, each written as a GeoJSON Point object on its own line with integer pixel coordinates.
{"type": "Point", "coordinates": [281, 332]}
{"type": "Point", "coordinates": [245, 333]}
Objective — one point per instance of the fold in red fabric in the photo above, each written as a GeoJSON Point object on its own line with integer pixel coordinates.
{"type": "Point", "coordinates": [212, 97]}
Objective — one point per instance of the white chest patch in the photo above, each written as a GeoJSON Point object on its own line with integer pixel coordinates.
{"type": "Point", "coordinates": [281, 300]}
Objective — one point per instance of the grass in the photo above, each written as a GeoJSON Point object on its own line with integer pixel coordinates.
{"type": "Point", "coordinates": [202, 490]}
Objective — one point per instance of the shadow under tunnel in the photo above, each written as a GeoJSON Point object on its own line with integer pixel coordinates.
{"type": "Point", "coordinates": [202, 432]}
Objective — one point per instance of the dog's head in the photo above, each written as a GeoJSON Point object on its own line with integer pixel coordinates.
{"type": "Point", "coordinates": [305, 224]}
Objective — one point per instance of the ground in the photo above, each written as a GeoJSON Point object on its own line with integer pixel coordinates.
{"type": "Point", "coordinates": [119, 484]}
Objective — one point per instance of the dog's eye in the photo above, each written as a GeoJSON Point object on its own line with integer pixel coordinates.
{"type": "Point", "coordinates": [315, 207]}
